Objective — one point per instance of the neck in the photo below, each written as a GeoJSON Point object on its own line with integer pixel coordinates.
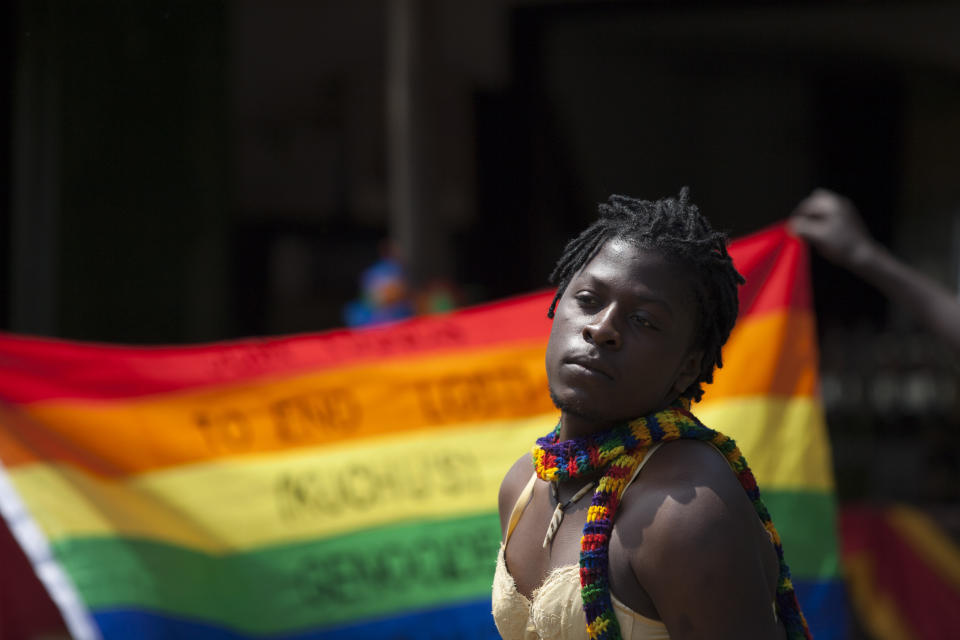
{"type": "Point", "coordinates": [575, 426]}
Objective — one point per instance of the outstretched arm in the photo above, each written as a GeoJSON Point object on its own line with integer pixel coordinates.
{"type": "Point", "coordinates": [832, 225]}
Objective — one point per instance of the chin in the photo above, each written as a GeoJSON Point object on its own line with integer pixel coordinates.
{"type": "Point", "coordinates": [587, 408]}
{"type": "Point", "coordinates": [574, 405]}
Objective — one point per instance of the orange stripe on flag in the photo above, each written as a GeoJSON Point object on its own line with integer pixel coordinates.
{"type": "Point", "coordinates": [130, 436]}
{"type": "Point", "coordinates": [770, 354]}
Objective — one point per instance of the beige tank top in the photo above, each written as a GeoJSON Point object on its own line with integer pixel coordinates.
{"type": "Point", "coordinates": [556, 610]}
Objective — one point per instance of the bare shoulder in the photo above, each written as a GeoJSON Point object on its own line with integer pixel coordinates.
{"type": "Point", "coordinates": [700, 559]}
{"type": "Point", "coordinates": [689, 495]}
{"type": "Point", "coordinates": [692, 482]}
{"type": "Point", "coordinates": [512, 486]}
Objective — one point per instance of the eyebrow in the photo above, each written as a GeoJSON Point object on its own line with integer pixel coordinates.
{"type": "Point", "coordinates": [643, 298]}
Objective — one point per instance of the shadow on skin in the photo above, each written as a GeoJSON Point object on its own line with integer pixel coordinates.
{"type": "Point", "coordinates": [678, 473]}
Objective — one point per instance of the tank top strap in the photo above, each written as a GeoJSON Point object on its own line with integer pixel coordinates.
{"type": "Point", "coordinates": [520, 505]}
{"type": "Point", "coordinates": [646, 457]}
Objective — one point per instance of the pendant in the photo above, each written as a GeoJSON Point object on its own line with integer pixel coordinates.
{"type": "Point", "coordinates": [557, 516]}
{"type": "Point", "coordinates": [554, 525]}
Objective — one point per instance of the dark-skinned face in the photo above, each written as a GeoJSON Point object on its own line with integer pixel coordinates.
{"type": "Point", "coordinates": [621, 342]}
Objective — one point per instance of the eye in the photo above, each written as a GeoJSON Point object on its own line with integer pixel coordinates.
{"type": "Point", "coordinates": [642, 321]}
{"type": "Point", "coordinates": [586, 299]}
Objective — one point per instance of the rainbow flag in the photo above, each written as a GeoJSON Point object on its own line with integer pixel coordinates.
{"type": "Point", "coordinates": [344, 485]}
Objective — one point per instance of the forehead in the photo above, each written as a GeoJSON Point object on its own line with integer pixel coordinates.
{"type": "Point", "coordinates": [643, 271]}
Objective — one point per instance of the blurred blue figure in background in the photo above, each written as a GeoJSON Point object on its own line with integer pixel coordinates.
{"type": "Point", "coordinates": [385, 296]}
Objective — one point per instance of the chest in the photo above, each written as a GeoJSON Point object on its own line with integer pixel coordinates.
{"type": "Point", "coordinates": [529, 562]}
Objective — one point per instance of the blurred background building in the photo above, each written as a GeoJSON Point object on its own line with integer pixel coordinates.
{"type": "Point", "coordinates": [184, 171]}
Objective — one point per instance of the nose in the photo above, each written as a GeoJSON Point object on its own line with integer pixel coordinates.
{"type": "Point", "coordinates": [602, 330]}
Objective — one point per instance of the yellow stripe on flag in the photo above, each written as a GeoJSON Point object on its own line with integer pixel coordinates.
{"type": "Point", "coordinates": [783, 439]}
{"type": "Point", "coordinates": [261, 500]}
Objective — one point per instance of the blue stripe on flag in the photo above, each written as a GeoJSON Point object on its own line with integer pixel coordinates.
{"type": "Point", "coordinates": [824, 603]}
{"type": "Point", "coordinates": [469, 621]}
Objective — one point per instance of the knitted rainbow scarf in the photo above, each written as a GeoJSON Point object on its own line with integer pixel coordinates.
{"type": "Point", "coordinates": [619, 451]}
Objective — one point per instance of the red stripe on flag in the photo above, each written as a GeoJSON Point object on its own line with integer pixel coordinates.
{"type": "Point", "coordinates": [36, 369]}
{"type": "Point", "coordinates": [776, 267]}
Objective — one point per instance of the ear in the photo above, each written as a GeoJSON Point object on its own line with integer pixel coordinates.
{"type": "Point", "coordinates": [689, 371]}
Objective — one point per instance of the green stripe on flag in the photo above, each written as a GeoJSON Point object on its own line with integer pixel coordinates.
{"type": "Point", "coordinates": [807, 523]}
{"type": "Point", "coordinates": [292, 587]}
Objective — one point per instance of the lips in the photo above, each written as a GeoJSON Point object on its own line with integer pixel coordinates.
{"type": "Point", "coordinates": [587, 366]}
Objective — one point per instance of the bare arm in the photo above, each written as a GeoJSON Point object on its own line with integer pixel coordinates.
{"type": "Point", "coordinates": [702, 558]}
{"type": "Point", "coordinates": [832, 225]}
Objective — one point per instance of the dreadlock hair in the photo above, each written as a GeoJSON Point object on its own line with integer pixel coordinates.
{"type": "Point", "coordinates": [676, 228]}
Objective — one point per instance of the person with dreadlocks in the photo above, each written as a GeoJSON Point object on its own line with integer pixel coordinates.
{"type": "Point", "coordinates": [593, 548]}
